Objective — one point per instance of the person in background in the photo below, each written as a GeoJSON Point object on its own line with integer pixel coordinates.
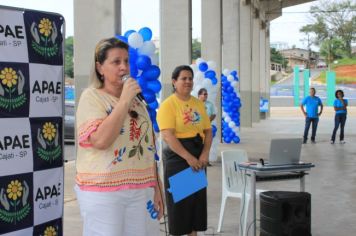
{"type": "Point", "coordinates": [340, 107]}
{"type": "Point", "coordinates": [209, 107]}
{"type": "Point", "coordinates": [186, 130]}
{"type": "Point", "coordinates": [116, 170]}
{"type": "Point", "coordinates": [311, 114]}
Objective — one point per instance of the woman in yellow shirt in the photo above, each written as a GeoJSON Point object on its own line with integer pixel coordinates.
{"type": "Point", "coordinates": [186, 129]}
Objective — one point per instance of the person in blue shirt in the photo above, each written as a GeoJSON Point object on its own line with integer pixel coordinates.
{"type": "Point", "coordinates": [340, 107]}
{"type": "Point", "coordinates": [311, 114]}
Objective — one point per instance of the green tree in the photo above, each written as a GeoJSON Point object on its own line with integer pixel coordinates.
{"type": "Point", "coordinates": [333, 20]}
{"type": "Point", "coordinates": [68, 61]}
{"type": "Point", "coordinates": [332, 49]}
{"type": "Point", "coordinates": [196, 49]}
{"type": "Point", "coordinates": [277, 57]}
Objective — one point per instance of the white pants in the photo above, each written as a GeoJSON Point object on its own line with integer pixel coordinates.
{"type": "Point", "coordinates": [117, 213]}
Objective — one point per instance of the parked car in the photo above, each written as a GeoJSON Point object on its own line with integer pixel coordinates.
{"type": "Point", "coordinates": [69, 121]}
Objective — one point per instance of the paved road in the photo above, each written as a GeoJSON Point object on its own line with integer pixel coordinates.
{"type": "Point", "coordinates": [282, 93]}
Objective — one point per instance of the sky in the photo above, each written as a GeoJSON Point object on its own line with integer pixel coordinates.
{"type": "Point", "coordinates": [283, 29]}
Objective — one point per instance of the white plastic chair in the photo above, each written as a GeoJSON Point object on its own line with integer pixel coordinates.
{"type": "Point", "coordinates": [233, 185]}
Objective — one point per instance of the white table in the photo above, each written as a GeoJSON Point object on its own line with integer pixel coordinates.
{"type": "Point", "coordinates": [271, 173]}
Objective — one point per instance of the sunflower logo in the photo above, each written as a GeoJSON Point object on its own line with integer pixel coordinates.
{"type": "Point", "coordinates": [8, 77]}
{"type": "Point", "coordinates": [50, 231]}
{"type": "Point", "coordinates": [12, 83]}
{"type": "Point", "coordinates": [44, 34]}
{"type": "Point", "coordinates": [49, 132]}
{"type": "Point", "coordinates": [14, 205]}
{"type": "Point", "coordinates": [49, 144]}
{"type": "Point", "coordinates": [14, 190]}
{"type": "Point", "coordinates": [45, 27]}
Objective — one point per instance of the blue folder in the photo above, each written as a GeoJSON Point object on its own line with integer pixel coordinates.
{"type": "Point", "coordinates": [186, 182]}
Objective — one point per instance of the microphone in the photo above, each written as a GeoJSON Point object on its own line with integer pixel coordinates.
{"type": "Point", "coordinates": [139, 95]}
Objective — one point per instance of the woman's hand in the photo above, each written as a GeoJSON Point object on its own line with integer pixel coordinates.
{"type": "Point", "coordinates": [158, 201]}
{"type": "Point", "coordinates": [130, 90]}
{"type": "Point", "coordinates": [204, 160]}
{"type": "Point", "coordinates": [194, 163]}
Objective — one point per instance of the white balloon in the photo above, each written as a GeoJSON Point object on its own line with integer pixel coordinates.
{"type": "Point", "coordinates": [135, 40]}
{"type": "Point", "coordinates": [148, 48]}
{"type": "Point", "coordinates": [199, 75]}
{"type": "Point", "coordinates": [198, 61]}
{"type": "Point", "coordinates": [231, 124]}
{"type": "Point", "coordinates": [230, 78]}
{"type": "Point", "coordinates": [194, 68]}
{"type": "Point", "coordinates": [236, 129]}
{"type": "Point", "coordinates": [226, 72]}
{"type": "Point", "coordinates": [223, 114]}
{"type": "Point", "coordinates": [198, 81]}
{"type": "Point", "coordinates": [194, 92]}
{"type": "Point", "coordinates": [154, 59]}
{"type": "Point", "coordinates": [207, 84]}
{"type": "Point", "coordinates": [227, 119]}
{"type": "Point", "coordinates": [234, 84]}
{"type": "Point", "coordinates": [212, 95]}
{"type": "Point", "coordinates": [211, 65]}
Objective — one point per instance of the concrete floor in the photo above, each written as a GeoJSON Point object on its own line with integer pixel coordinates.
{"type": "Point", "coordinates": [332, 183]}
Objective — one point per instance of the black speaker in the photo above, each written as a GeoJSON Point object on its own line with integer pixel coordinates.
{"type": "Point", "coordinates": [285, 213]}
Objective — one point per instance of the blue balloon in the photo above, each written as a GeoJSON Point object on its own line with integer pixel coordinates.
{"type": "Point", "coordinates": [234, 73]}
{"type": "Point", "coordinates": [132, 56]}
{"type": "Point", "coordinates": [151, 73]}
{"type": "Point", "coordinates": [154, 105]}
{"type": "Point", "coordinates": [236, 139]}
{"type": "Point", "coordinates": [122, 38]}
{"type": "Point", "coordinates": [155, 126]}
{"type": "Point", "coordinates": [146, 33]}
{"type": "Point", "coordinates": [127, 33]}
{"type": "Point", "coordinates": [149, 96]}
{"type": "Point", "coordinates": [152, 113]}
{"type": "Point", "coordinates": [203, 66]}
{"type": "Point", "coordinates": [227, 139]}
{"type": "Point", "coordinates": [142, 82]}
{"type": "Point", "coordinates": [214, 80]}
{"type": "Point", "coordinates": [154, 85]}
{"type": "Point", "coordinates": [143, 62]}
{"type": "Point", "coordinates": [209, 74]}
{"type": "Point", "coordinates": [214, 130]}
{"type": "Point", "coordinates": [133, 71]}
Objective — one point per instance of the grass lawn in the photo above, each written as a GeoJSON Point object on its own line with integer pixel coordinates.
{"type": "Point", "coordinates": [345, 72]}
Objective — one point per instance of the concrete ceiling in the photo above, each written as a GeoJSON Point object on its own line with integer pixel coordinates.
{"type": "Point", "coordinates": [273, 8]}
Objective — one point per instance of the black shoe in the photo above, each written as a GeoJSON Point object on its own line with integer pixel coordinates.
{"type": "Point", "coordinates": [209, 164]}
{"type": "Point", "coordinates": [313, 141]}
{"type": "Point", "coordinates": [304, 141]}
{"type": "Point", "coordinates": [332, 142]}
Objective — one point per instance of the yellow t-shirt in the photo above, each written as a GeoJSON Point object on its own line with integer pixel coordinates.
{"type": "Point", "coordinates": [187, 118]}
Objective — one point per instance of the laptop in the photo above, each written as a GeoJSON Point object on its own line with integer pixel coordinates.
{"type": "Point", "coordinates": [285, 151]}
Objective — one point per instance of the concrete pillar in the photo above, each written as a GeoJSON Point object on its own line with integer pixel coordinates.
{"type": "Point", "coordinates": [255, 70]}
{"type": "Point", "coordinates": [93, 21]}
{"type": "Point", "coordinates": [268, 67]}
{"type": "Point", "coordinates": [263, 64]}
{"type": "Point", "coordinates": [230, 32]}
{"type": "Point", "coordinates": [211, 34]}
{"type": "Point", "coordinates": [245, 55]}
{"type": "Point", "coordinates": [175, 39]}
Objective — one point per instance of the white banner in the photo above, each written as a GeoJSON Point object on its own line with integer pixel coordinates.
{"type": "Point", "coordinates": [31, 122]}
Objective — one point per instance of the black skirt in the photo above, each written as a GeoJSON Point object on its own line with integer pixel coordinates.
{"type": "Point", "coordinates": [189, 214]}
